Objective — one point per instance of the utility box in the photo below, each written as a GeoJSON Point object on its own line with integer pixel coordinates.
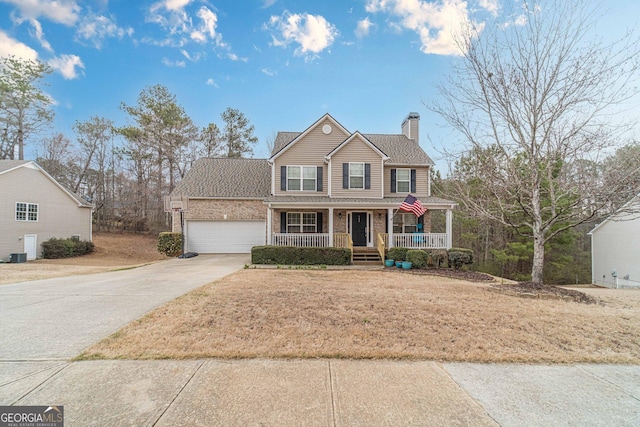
{"type": "Point", "coordinates": [18, 257]}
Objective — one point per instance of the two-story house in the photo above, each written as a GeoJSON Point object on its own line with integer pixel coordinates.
{"type": "Point", "coordinates": [325, 186]}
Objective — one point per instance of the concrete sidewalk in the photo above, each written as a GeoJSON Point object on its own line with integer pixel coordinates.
{"type": "Point", "coordinates": [325, 393]}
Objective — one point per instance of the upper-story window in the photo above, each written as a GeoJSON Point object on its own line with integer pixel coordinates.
{"type": "Point", "coordinates": [26, 211]}
{"type": "Point", "coordinates": [301, 178]}
{"type": "Point", "coordinates": [403, 180]}
{"type": "Point", "coordinates": [356, 175]}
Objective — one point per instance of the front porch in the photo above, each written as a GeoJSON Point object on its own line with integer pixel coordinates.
{"type": "Point", "coordinates": [366, 226]}
{"type": "Point", "coordinates": [415, 240]}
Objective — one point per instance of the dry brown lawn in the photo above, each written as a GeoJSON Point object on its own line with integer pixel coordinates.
{"type": "Point", "coordinates": [379, 314]}
{"type": "Point", "coordinates": [112, 251]}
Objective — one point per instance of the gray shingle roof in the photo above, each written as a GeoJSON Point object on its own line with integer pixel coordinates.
{"type": "Point", "coordinates": [227, 178]}
{"type": "Point", "coordinates": [400, 149]}
{"type": "Point", "coordinates": [5, 165]}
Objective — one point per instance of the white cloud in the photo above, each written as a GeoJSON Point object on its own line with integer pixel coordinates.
{"type": "Point", "coordinates": [175, 4]}
{"type": "Point", "coordinates": [169, 63]}
{"type": "Point", "coordinates": [96, 28]}
{"type": "Point", "coordinates": [363, 27]}
{"type": "Point", "coordinates": [211, 82]}
{"type": "Point", "coordinates": [268, 3]}
{"type": "Point", "coordinates": [207, 28]}
{"type": "Point", "coordinates": [60, 11]}
{"type": "Point", "coordinates": [490, 6]}
{"type": "Point", "coordinates": [234, 57]}
{"type": "Point", "coordinates": [269, 72]}
{"type": "Point", "coordinates": [313, 33]}
{"type": "Point", "coordinates": [9, 46]}
{"type": "Point", "coordinates": [66, 65]}
{"type": "Point", "coordinates": [39, 34]}
{"type": "Point", "coordinates": [439, 24]}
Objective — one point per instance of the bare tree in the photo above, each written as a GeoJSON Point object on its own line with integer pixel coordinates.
{"type": "Point", "coordinates": [535, 100]}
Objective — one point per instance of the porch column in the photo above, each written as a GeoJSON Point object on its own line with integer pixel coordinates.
{"type": "Point", "coordinates": [449, 215]}
{"type": "Point", "coordinates": [269, 224]}
{"type": "Point", "coordinates": [390, 226]}
{"type": "Point", "coordinates": [330, 227]}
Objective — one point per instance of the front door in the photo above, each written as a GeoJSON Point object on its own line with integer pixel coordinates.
{"type": "Point", "coordinates": [359, 228]}
{"type": "Point", "coordinates": [31, 246]}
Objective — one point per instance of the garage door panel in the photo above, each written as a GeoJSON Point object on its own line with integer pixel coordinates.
{"type": "Point", "coordinates": [225, 236]}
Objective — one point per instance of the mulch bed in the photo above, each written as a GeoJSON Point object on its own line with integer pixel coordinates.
{"type": "Point", "coordinates": [472, 276]}
{"type": "Point", "coordinates": [539, 290]}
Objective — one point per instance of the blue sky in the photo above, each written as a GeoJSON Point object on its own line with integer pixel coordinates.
{"type": "Point", "coordinates": [284, 63]}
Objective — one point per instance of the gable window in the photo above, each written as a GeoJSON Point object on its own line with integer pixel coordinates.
{"type": "Point", "coordinates": [301, 222]}
{"type": "Point", "coordinates": [403, 180]}
{"type": "Point", "coordinates": [356, 175]}
{"type": "Point", "coordinates": [26, 211]}
{"type": "Point", "coordinates": [301, 178]}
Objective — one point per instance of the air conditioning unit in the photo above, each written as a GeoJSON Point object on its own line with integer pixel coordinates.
{"type": "Point", "coordinates": [17, 258]}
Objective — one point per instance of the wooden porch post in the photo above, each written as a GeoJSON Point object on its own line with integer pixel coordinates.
{"type": "Point", "coordinates": [449, 228]}
{"type": "Point", "coordinates": [330, 227]}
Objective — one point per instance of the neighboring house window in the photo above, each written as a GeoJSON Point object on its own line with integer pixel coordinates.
{"type": "Point", "coordinates": [403, 180]}
{"type": "Point", "coordinates": [356, 175]}
{"type": "Point", "coordinates": [301, 178]}
{"type": "Point", "coordinates": [26, 211]}
{"type": "Point", "coordinates": [301, 222]}
{"type": "Point", "coordinates": [405, 223]}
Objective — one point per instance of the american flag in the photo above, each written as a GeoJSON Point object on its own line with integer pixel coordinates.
{"type": "Point", "coordinates": [411, 204]}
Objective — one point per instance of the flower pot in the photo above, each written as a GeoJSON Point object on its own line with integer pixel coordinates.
{"type": "Point", "coordinates": [399, 264]}
{"type": "Point", "coordinates": [389, 263]}
{"type": "Point", "coordinates": [407, 265]}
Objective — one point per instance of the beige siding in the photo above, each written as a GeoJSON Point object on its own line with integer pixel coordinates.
{"type": "Point", "coordinates": [58, 214]}
{"type": "Point", "coordinates": [216, 209]}
{"type": "Point", "coordinates": [356, 151]}
{"type": "Point", "coordinates": [422, 180]}
{"type": "Point", "coordinates": [310, 151]}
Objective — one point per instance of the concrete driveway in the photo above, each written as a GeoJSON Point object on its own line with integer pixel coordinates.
{"type": "Point", "coordinates": [57, 318]}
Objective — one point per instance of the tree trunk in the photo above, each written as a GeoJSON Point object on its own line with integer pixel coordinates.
{"type": "Point", "coordinates": [538, 259]}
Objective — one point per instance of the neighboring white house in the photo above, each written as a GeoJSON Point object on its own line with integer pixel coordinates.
{"type": "Point", "coordinates": [615, 248]}
{"type": "Point", "coordinates": [34, 207]}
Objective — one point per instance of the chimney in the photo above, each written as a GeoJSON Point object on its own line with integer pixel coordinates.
{"type": "Point", "coordinates": [410, 127]}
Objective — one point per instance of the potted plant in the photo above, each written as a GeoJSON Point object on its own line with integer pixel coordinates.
{"type": "Point", "coordinates": [399, 263]}
{"type": "Point", "coordinates": [389, 262]}
{"type": "Point", "coordinates": [407, 265]}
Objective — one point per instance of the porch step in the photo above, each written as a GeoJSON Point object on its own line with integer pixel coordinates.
{"type": "Point", "coordinates": [366, 256]}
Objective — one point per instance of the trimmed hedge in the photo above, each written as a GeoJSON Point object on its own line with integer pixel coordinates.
{"type": "Point", "coordinates": [437, 257]}
{"type": "Point", "coordinates": [292, 255]}
{"type": "Point", "coordinates": [169, 243]}
{"type": "Point", "coordinates": [397, 254]}
{"type": "Point", "coordinates": [417, 257]}
{"type": "Point", "coordinates": [459, 256]}
{"type": "Point", "coordinates": [66, 248]}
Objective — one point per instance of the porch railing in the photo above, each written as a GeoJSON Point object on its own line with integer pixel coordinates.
{"type": "Point", "coordinates": [421, 240]}
{"type": "Point", "coordinates": [301, 239]}
{"type": "Point", "coordinates": [343, 240]}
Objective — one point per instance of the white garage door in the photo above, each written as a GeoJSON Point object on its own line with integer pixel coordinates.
{"type": "Point", "coordinates": [219, 237]}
